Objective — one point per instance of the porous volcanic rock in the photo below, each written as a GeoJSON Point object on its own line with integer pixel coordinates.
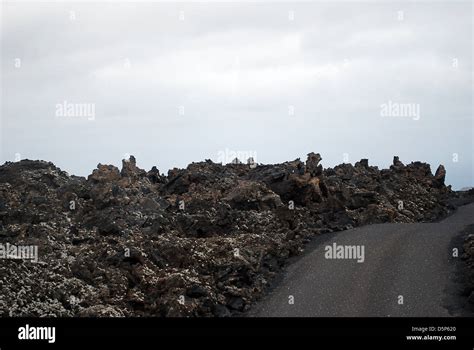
{"type": "Point", "coordinates": [201, 241]}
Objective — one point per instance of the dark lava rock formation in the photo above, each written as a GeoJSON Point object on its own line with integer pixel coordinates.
{"type": "Point", "coordinates": [468, 257]}
{"type": "Point", "coordinates": [201, 241]}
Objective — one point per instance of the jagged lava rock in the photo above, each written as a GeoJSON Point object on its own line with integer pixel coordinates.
{"type": "Point", "coordinates": [135, 243]}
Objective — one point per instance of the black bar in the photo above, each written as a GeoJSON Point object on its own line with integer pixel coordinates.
{"type": "Point", "coordinates": [121, 331]}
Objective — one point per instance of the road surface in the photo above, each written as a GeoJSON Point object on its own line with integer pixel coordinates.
{"type": "Point", "coordinates": [407, 270]}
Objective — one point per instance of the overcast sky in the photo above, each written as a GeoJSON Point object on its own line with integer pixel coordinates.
{"type": "Point", "coordinates": [173, 83]}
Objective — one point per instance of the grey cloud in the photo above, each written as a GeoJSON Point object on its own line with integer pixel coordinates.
{"type": "Point", "coordinates": [236, 68]}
